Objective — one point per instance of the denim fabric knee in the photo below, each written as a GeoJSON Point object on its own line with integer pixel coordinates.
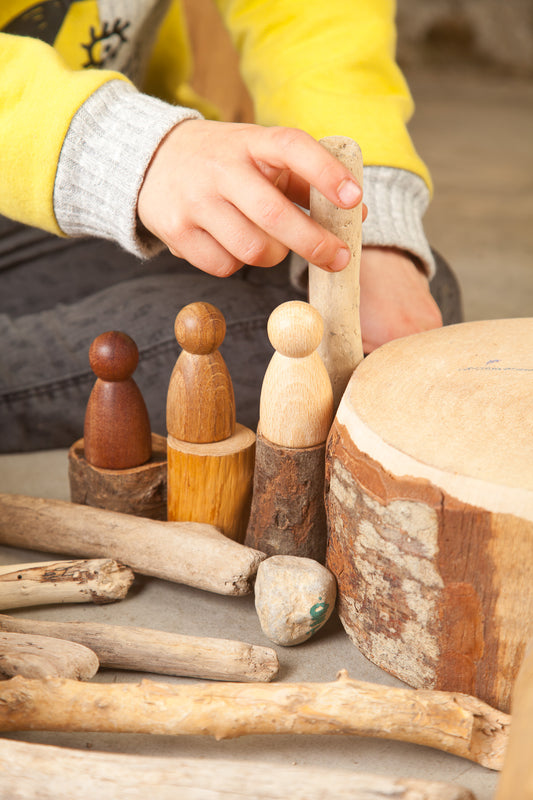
{"type": "Point", "coordinates": [58, 295]}
{"type": "Point", "coordinates": [55, 303]}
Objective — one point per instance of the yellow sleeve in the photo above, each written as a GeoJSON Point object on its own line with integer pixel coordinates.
{"type": "Point", "coordinates": [327, 66]}
{"type": "Point", "coordinates": [39, 95]}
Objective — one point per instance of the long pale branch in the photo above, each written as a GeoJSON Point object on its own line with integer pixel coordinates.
{"type": "Point", "coordinates": [455, 723]}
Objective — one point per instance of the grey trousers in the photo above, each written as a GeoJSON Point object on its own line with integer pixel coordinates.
{"type": "Point", "coordinates": [57, 295]}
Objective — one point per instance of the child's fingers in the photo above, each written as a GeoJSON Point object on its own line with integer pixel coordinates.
{"type": "Point", "coordinates": [239, 235]}
{"type": "Point", "coordinates": [272, 212]}
{"type": "Point", "coordinates": [200, 249]}
{"type": "Point", "coordinates": [293, 149]}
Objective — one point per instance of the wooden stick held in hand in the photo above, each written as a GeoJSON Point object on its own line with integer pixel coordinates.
{"type": "Point", "coordinates": [88, 581]}
{"type": "Point", "coordinates": [336, 296]}
{"type": "Point", "coordinates": [185, 552]}
{"type": "Point", "coordinates": [146, 650]}
{"type": "Point", "coordinates": [455, 723]}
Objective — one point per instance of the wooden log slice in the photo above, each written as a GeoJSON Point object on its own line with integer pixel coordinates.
{"type": "Point", "coordinates": [429, 497]}
{"type": "Point", "coordinates": [141, 491]}
{"type": "Point", "coordinates": [288, 515]}
{"type": "Point", "coordinates": [212, 482]}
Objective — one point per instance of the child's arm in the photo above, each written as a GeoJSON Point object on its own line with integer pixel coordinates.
{"type": "Point", "coordinates": [395, 297]}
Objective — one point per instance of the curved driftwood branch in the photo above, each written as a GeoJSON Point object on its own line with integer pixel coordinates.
{"type": "Point", "coordinates": [455, 723]}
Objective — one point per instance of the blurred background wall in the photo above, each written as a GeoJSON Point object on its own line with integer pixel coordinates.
{"type": "Point", "coordinates": [495, 34]}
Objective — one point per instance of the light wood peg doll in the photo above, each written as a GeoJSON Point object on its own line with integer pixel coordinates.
{"type": "Point", "coordinates": [296, 412]}
{"type": "Point", "coordinates": [296, 408]}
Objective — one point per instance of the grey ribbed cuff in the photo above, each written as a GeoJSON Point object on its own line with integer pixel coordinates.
{"type": "Point", "coordinates": [396, 201]}
{"type": "Point", "coordinates": [108, 147]}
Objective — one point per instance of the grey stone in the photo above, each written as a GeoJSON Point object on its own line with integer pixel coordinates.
{"type": "Point", "coordinates": [294, 597]}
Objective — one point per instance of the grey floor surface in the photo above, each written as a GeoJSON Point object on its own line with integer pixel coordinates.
{"type": "Point", "coordinates": [475, 132]}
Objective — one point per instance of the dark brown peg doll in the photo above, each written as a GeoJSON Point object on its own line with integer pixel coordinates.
{"type": "Point", "coordinates": [117, 427]}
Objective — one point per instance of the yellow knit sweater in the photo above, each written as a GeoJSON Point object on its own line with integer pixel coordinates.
{"type": "Point", "coordinates": [326, 67]}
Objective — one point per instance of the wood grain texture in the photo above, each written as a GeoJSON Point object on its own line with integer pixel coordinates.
{"type": "Point", "coordinates": [191, 553]}
{"type": "Point", "coordinates": [200, 399]}
{"type": "Point", "coordinates": [455, 723]}
{"type": "Point", "coordinates": [89, 581]}
{"type": "Point", "coordinates": [456, 401]}
{"type": "Point", "coordinates": [288, 516]}
{"type": "Point", "coordinates": [336, 295]}
{"type": "Point", "coordinates": [35, 770]}
{"type": "Point", "coordinates": [296, 406]}
{"type": "Point", "coordinates": [140, 490]}
{"type": "Point", "coordinates": [212, 483]}
{"type": "Point", "coordinates": [146, 650]}
{"type": "Point", "coordinates": [430, 507]}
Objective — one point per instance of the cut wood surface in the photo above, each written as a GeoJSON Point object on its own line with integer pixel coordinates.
{"type": "Point", "coordinates": [146, 650]}
{"type": "Point", "coordinates": [336, 295]}
{"type": "Point", "coordinates": [460, 413]}
{"type": "Point", "coordinates": [455, 723]}
{"type": "Point", "coordinates": [87, 581]}
{"type": "Point", "coordinates": [33, 770]}
{"type": "Point", "coordinates": [185, 552]}
{"type": "Point", "coordinates": [35, 656]}
{"type": "Point", "coordinates": [430, 507]}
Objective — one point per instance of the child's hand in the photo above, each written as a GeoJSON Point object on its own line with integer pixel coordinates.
{"type": "Point", "coordinates": [221, 195]}
{"type": "Point", "coordinates": [395, 298]}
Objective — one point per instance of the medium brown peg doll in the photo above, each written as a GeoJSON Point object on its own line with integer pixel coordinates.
{"type": "Point", "coordinates": [296, 411]}
{"type": "Point", "coordinates": [117, 428]}
{"type": "Point", "coordinates": [210, 456]}
{"type": "Point", "coordinates": [200, 400]}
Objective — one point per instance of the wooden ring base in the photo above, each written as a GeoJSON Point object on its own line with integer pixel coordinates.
{"type": "Point", "coordinates": [288, 516]}
{"type": "Point", "coordinates": [141, 491]}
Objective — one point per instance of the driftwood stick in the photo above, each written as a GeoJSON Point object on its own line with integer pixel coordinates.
{"type": "Point", "coordinates": [336, 296]}
{"type": "Point", "coordinates": [455, 723]}
{"type": "Point", "coordinates": [146, 650]}
{"type": "Point", "coordinates": [35, 770]}
{"type": "Point", "coordinates": [185, 552]}
{"type": "Point", "coordinates": [89, 581]}
{"type": "Point", "coordinates": [41, 657]}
